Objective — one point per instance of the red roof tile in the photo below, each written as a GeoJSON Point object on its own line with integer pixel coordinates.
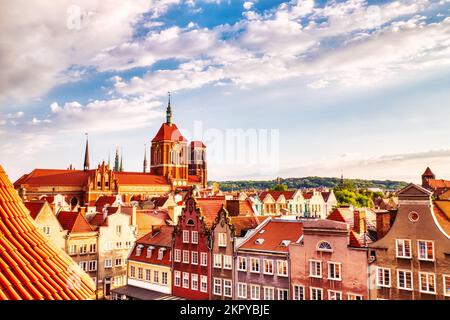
{"type": "Point", "coordinates": [209, 209]}
{"type": "Point", "coordinates": [140, 178]}
{"type": "Point", "coordinates": [439, 184]}
{"type": "Point", "coordinates": [159, 238]}
{"type": "Point", "coordinates": [31, 267]}
{"type": "Point", "coordinates": [74, 222]}
{"type": "Point", "coordinates": [242, 224]}
{"type": "Point", "coordinates": [275, 231]}
{"type": "Point", "coordinates": [276, 194]}
{"type": "Point", "coordinates": [34, 207]}
{"type": "Point", "coordinates": [159, 201]}
{"type": "Point", "coordinates": [105, 200]}
{"type": "Point", "coordinates": [442, 213]}
{"type": "Point", "coordinates": [52, 177]}
{"type": "Point", "coordinates": [168, 133]}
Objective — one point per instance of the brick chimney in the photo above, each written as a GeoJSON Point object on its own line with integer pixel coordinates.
{"type": "Point", "coordinates": [359, 222]}
{"type": "Point", "coordinates": [383, 223]}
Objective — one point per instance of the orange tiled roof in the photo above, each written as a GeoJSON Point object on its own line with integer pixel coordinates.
{"type": "Point", "coordinates": [156, 239]}
{"type": "Point", "coordinates": [275, 231]}
{"type": "Point", "coordinates": [139, 178]}
{"type": "Point", "coordinates": [209, 209]}
{"type": "Point", "coordinates": [52, 177]}
{"type": "Point", "coordinates": [31, 267]}
{"type": "Point", "coordinates": [442, 213]}
{"type": "Point", "coordinates": [242, 224]}
{"type": "Point", "coordinates": [276, 194]}
{"type": "Point", "coordinates": [105, 200]}
{"type": "Point", "coordinates": [355, 240]}
{"type": "Point", "coordinates": [168, 133]}
{"type": "Point", "coordinates": [439, 184]}
{"type": "Point", "coordinates": [74, 222]}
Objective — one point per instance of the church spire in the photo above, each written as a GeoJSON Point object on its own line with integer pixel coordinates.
{"type": "Point", "coordinates": [169, 112]}
{"type": "Point", "coordinates": [116, 160]}
{"type": "Point", "coordinates": [121, 161]}
{"type": "Point", "coordinates": [86, 155]}
{"type": "Point", "coordinates": [145, 159]}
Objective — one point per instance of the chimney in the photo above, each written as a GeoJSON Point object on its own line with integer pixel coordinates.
{"type": "Point", "coordinates": [383, 223]}
{"type": "Point", "coordinates": [359, 221]}
{"type": "Point", "coordinates": [105, 213]}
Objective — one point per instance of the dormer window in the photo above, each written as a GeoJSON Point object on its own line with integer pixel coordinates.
{"type": "Point", "coordinates": [139, 250]}
{"type": "Point", "coordinates": [262, 231]}
{"type": "Point", "coordinates": [161, 253]}
{"type": "Point", "coordinates": [150, 251]}
{"type": "Point", "coordinates": [259, 241]}
{"type": "Point", "coordinates": [285, 243]}
{"type": "Point", "coordinates": [190, 222]}
{"type": "Point", "coordinates": [324, 246]}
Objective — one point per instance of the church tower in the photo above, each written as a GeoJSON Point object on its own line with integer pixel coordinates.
{"type": "Point", "coordinates": [426, 176]}
{"type": "Point", "coordinates": [169, 152]}
{"type": "Point", "coordinates": [145, 160]}
{"type": "Point", "coordinates": [197, 162]}
{"type": "Point", "coordinates": [86, 155]}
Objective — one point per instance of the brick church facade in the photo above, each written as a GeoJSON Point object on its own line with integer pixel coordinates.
{"type": "Point", "coordinates": [174, 164]}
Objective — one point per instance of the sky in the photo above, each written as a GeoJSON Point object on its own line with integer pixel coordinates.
{"type": "Point", "coordinates": [274, 88]}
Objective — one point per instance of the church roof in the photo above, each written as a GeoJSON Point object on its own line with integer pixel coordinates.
{"type": "Point", "coordinates": [169, 133]}
{"type": "Point", "coordinates": [31, 267]}
{"type": "Point", "coordinates": [139, 178]}
{"type": "Point", "coordinates": [428, 173]}
{"type": "Point", "coordinates": [54, 177]}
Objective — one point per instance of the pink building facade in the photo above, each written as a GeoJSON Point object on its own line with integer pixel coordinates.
{"type": "Point", "coordinates": [323, 265]}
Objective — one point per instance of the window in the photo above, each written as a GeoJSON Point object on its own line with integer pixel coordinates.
{"type": "Point", "coordinates": [119, 229]}
{"type": "Point", "coordinates": [194, 236]}
{"type": "Point", "coordinates": [282, 268]}
{"type": "Point", "coordinates": [156, 276]}
{"type": "Point", "coordinates": [404, 280]}
{"type": "Point", "coordinates": [384, 277]}
{"type": "Point", "coordinates": [227, 262]}
{"type": "Point", "coordinates": [108, 263]}
{"type": "Point", "coordinates": [222, 239]}
{"type": "Point", "coordinates": [324, 246]}
{"type": "Point", "coordinates": [426, 250]}
{"type": "Point", "coordinates": [334, 295]}
{"type": "Point", "coordinates": [242, 290]}
{"type": "Point", "coordinates": [118, 262]}
{"type": "Point", "coordinates": [93, 265]}
{"type": "Point", "coordinates": [83, 249]}
{"type": "Point", "coordinates": [118, 281]}
{"type": "Point", "coordinates": [186, 280]}
{"type": "Point", "coordinates": [283, 294]}
{"type": "Point", "coordinates": [217, 261]}
{"type": "Point", "coordinates": [93, 248]}
{"type": "Point", "coordinates": [269, 293]}
{"type": "Point", "coordinates": [242, 263]}
{"type": "Point", "coordinates": [148, 275]}
{"type": "Point", "coordinates": [446, 279]}
{"type": "Point", "coordinates": [177, 275]}
{"type": "Point", "coordinates": [46, 230]}
{"type": "Point", "coordinates": [164, 277]}
{"type": "Point", "coordinates": [73, 249]}
{"type": "Point", "coordinates": [139, 249]}
{"type": "Point", "coordinates": [177, 257]}
{"type": "Point", "coordinates": [227, 287]}
{"type": "Point", "coordinates": [334, 271]}
{"type": "Point", "coordinates": [203, 283]}
{"type": "Point", "coordinates": [84, 265]}
{"type": "Point", "coordinates": [315, 269]}
{"type": "Point", "coordinates": [254, 265]}
{"type": "Point", "coordinates": [254, 292]}
{"type": "Point", "coordinates": [203, 259]}
{"type": "Point", "coordinates": [268, 266]}
{"type": "Point", "coordinates": [132, 272]}
{"type": "Point", "coordinates": [352, 296]}
{"type": "Point", "coordinates": [185, 256]}
{"type": "Point", "coordinates": [194, 281]}
{"type": "Point", "coordinates": [194, 257]}
{"type": "Point", "coordinates": [140, 274]}
{"type": "Point", "coordinates": [161, 253]}
{"type": "Point", "coordinates": [427, 282]}
{"type": "Point", "coordinates": [217, 289]}
{"type": "Point", "coordinates": [316, 294]}
{"type": "Point", "coordinates": [403, 248]}
{"type": "Point", "coordinates": [299, 292]}
{"type": "Point", "coordinates": [185, 236]}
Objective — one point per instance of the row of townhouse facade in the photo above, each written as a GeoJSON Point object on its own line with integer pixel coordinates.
{"type": "Point", "coordinates": [218, 256]}
{"type": "Point", "coordinates": [310, 204]}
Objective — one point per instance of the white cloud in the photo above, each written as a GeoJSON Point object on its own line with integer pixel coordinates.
{"type": "Point", "coordinates": [248, 5]}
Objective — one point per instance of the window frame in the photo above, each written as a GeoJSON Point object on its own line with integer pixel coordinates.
{"type": "Point", "coordinates": [311, 275]}
{"type": "Point", "coordinates": [384, 285]}
{"type": "Point", "coordinates": [217, 283]}
{"type": "Point", "coordinates": [334, 264]}
{"type": "Point", "coordinates": [398, 279]}
{"type": "Point", "coordinates": [267, 262]}
{"type": "Point", "coordinates": [426, 248]}
{"type": "Point", "coordinates": [242, 285]}
{"type": "Point", "coordinates": [244, 259]}
{"type": "Point", "coordinates": [283, 263]}
{"type": "Point", "coordinates": [311, 289]}
{"type": "Point", "coordinates": [258, 264]}
{"type": "Point", "coordinates": [428, 283]}
{"type": "Point", "coordinates": [301, 292]}
{"type": "Point", "coordinates": [402, 255]}
{"type": "Point", "coordinates": [185, 236]}
{"type": "Point", "coordinates": [445, 284]}
{"type": "Point", "coordinates": [335, 292]}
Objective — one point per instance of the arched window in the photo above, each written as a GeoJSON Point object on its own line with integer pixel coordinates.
{"type": "Point", "coordinates": [324, 246]}
{"type": "Point", "coordinates": [99, 180]}
{"type": "Point", "coordinates": [190, 222]}
{"type": "Point", "coordinates": [106, 181]}
{"type": "Point", "coordinates": [74, 202]}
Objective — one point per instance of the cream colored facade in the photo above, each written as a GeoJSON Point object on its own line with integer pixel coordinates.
{"type": "Point", "coordinates": [315, 206]}
{"type": "Point", "coordinates": [145, 279]}
{"type": "Point", "coordinates": [115, 240]}
{"type": "Point", "coordinates": [47, 222]}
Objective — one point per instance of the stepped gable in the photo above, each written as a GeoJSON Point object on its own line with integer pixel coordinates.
{"type": "Point", "coordinates": [31, 267]}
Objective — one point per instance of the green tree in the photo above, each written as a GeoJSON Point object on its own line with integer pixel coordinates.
{"type": "Point", "coordinates": [280, 187]}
